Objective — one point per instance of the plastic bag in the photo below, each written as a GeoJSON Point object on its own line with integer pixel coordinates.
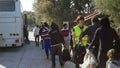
{"type": "Point", "coordinates": [89, 60]}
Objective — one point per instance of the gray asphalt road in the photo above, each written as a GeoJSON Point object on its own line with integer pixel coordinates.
{"type": "Point", "coordinates": [28, 56]}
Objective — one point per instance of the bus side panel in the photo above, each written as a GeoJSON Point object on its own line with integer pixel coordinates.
{"type": "Point", "coordinates": [11, 27]}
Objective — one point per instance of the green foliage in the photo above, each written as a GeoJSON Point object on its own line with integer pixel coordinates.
{"type": "Point", "coordinates": [81, 7]}
{"type": "Point", "coordinates": [60, 10]}
{"type": "Point", "coordinates": [110, 7]}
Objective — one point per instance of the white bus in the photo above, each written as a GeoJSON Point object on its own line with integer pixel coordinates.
{"type": "Point", "coordinates": [11, 23]}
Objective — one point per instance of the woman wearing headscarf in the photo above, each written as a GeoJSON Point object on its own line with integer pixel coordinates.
{"type": "Point", "coordinates": [103, 41]}
{"type": "Point", "coordinates": [56, 44]}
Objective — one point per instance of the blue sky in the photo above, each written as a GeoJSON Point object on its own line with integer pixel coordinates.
{"type": "Point", "coordinates": [27, 5]}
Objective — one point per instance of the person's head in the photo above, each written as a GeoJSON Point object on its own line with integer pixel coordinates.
{"type": "Point", "coordinates": [46, 24]}
{"type": "Point", "coordinates": [118, 29]}
{"type": "Point", "coordinates": [37, 26]}
{"type": "Point", "coordinates": [105, 22]}
{"type": "Point", "coordinates": [65, 25]}
{"type": "Point", "coordinates": [80, 20]}
{"type": "Point", "coordinates": [94, 20]}
{"type": "Point", "coordinates": [42, 25]}
{"type": "Point", "coordinates": [54, 26]}
{"type": "Point", "coordinates": [112, 54]}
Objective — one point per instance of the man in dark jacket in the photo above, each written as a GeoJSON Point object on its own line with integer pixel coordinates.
{"type": "Point", "coordinates": [90, 31]}
{"type": "Point", "coordinates": [103, 41]}
{"type": "Point", "coordinates": [56, 43]}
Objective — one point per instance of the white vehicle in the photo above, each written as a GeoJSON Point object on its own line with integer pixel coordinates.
{"type": "Point", "coordinates": [11, 23]}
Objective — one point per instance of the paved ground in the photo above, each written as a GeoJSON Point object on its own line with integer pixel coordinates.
{"type": "Point", "coordinates": [28, 56]}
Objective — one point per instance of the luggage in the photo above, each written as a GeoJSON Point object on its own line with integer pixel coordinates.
{"type": "Point", "coordinates": [66, 55]}
{"type": "Point", "coordinates": [79, 54]}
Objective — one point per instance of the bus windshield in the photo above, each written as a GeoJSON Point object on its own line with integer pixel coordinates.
{"type": "Point", "coordinates": [7, 5]}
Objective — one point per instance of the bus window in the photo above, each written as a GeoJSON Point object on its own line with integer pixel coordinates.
{"type": "Point", "coordinates": [7, 5]}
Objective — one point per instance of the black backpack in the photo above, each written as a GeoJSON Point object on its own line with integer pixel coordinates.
{"type": "Point", "coordinates": [66, 55]}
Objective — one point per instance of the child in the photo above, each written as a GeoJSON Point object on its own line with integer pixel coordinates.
{"type": "Point", "coordinates": [113, 61]}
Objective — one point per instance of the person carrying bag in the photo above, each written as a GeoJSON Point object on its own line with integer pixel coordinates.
{"type": "Point", "coordinates": [78, 46]}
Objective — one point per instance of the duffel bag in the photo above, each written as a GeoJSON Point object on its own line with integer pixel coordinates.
{"type": "Point", "coordinates": [66, 55]}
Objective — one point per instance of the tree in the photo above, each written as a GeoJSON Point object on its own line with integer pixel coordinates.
{"type": "Point", "coordinates": [110, 7]}
{"type": "Point", "coordinates": [81, 6]}
{"type": "Point", "coordinates": [60, 10]}
{"type": "Point", "coordinates": [53, 10]}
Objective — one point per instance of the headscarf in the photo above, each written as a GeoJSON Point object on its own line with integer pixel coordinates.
{"type": "Point", "coordinates": [105, 22]}
{"type": "Point", "coordinates": [54, 26]}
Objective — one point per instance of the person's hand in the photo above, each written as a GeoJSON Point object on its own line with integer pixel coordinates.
{"type": "Point", "coordinates": [87, 51]}
{"type": "Point", "coordinates": [73, 45]}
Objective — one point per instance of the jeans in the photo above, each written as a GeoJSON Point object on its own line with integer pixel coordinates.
{"type": "Point", "coordinates": [47, 46]}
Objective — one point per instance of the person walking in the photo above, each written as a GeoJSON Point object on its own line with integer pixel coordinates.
{"type": "Point", "coordinates": [103, 41]}
{"type": "Point", "coordinates": [40, 33]}
{"type": "Point", "coordinates": [46, 40]}
{"type": "Point", "coordinates": [77, 30]}
{"type": "Point", "coordinates": [36, 35]}
{"type": "Point", "coordinates": [56, 43]}
{"type": "Point", "coordinates": [26, 34]}
{"type": "Point", "coordinates": [90, 31]}
{"type": "Point", "coordinates": [66, 34]}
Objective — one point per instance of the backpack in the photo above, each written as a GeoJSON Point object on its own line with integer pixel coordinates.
{"type": "Point", "coordinates": [66, 55]}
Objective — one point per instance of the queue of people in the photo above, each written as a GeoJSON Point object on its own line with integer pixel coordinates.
{"type": "Point", "coordinates": [99, 38]}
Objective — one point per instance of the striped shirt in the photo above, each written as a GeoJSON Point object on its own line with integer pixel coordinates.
{"type": "Point", "coordinates": [45, 33]}
{"type": "Point", "coordinates": [65, 32]}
